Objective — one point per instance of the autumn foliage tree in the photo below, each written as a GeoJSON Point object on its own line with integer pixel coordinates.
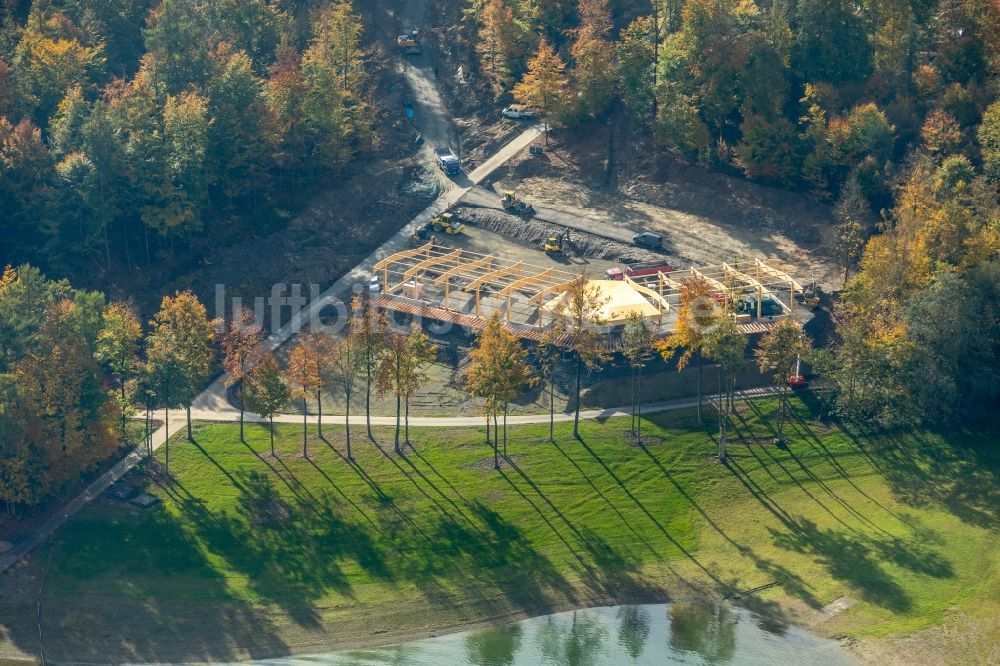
{"type": "Point", "coordinates": [345, 359]}
{"type": "Point", "coordinates": [498, 373]}
{"type": "Point", "coordinates": [637, 348]}
{"type": "Point", "coordinates": [266, 393]}
{"type": "Point", "coordinates": [778, 355]}
{"type": "Point", "coordinates": [699, 311]}
{"type": "Point", "coordinates": [544, 85]}
{"type": "Point", "coordinates": [304, 376]}
{"type": "Point", "coordinates": [500, 43]}
{"type": "Point", "coordinates": [118, 347]}
{"type": "Point", "coordinates": [66, 416]}
{"type": "Point", "coordinates": [372, 330]}
{"type": "Point", "coordinates": [581, 308]}
{"type": "Point", "coordinates": [726, 345]}
{"type": "Point", "coordinates": [401, 371]}
{"type": "Point", "coordinates": [593, 78]}
{"type": "Point", "coordinates": [181, 349]}
{"type": "Point", "coordinates": [242, 347]}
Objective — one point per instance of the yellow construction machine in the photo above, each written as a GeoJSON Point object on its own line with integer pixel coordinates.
{"type": "Point", "coordinates": [512, 204]}
{"type": "Point", "coordinates": [447, 223]}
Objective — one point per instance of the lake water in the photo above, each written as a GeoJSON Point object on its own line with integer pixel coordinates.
{"type": "Point", "coordinates": [660, 634]}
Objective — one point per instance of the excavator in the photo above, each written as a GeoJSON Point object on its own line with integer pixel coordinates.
{"type": "Point", "coordinates": [556, 245]}
{"type": "Point", "coordinates": [512, 204]}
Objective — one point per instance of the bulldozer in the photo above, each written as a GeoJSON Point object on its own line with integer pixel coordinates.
{"type": "Point", "coordinates": [447, 223]}
{"type": "Point", "coordinates": [512, 204]}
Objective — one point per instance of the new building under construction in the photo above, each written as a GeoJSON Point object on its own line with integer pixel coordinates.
{"type": "Point", "coordinates": [466, 288]}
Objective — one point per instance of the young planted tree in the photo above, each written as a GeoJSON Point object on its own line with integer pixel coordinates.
{"type": "Point", "coordinates": [544, 84]}
{"type": "Point", "coordinates": [242, 347]}
{"type": "Point", "coordinates": [498, 373]}
{"type": "Point", "coordinates": [637, 348]}
{"type": "Point", "coordinates": [303, 374]}
{"type": "Point", "coordinates": [400, 372]}
{"type": "Point", "coordinates": [118, 348]}
{"type": "Point", "coordinates": [344, 360]}
{"type": "Point", "coordinates": [727, 346]}
{"type": "Point", "coordinates": [548, 353]}
{"type": "Point", "coordinates": [322, 345]}
{"type": "Point", "coordinates": [266, 392]}
{"type": "Point", "coordinates": [581, 307]}
{"type": "Point", "coordinates": [372, 330]}
{"type": "Point", "coordinates": [779, 352]}
{"type": "Point", "coordinates": [699, 311]}
{"type": "Point", "coordinates": [420, 352]}
{"type": "Point", "coordinates": [182, 343]}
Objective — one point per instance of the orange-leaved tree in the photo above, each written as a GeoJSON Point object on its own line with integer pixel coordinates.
{"type": "Point", "coordinates": [699, 311]}
{"type": "Point", "coordinates": [303, 374]}
{"type": "Point", "coordinates": [242, 347]}
{"type": "Point", "coordinates": [544, 84]}
{"type": "Point", "coordinates": [180, 349]}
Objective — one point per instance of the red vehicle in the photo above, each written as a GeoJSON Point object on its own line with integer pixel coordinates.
{"type": "Point", "coordinates": [638, 270]}
{"type": "Point", "coordinates": [797, 381]}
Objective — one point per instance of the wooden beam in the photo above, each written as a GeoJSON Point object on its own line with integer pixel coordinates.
{"type": "Point", "coordinates": [712, 282]}
{"type": "Point", "coordinates": [493, 276]}
{"type": "Point", "coordinates": [781, 276]}
{"type": "Point", "coordinates": [404, 254]}
{"type": "Point", "coordinates": [461, 269]}
{"type": "Point", "coordinates": [554, 289]}
{"type": "Point", "coordinates": [526, 281]}
{"type": "Point", "coordinates": [661, 302]}
{"type": "Point", "coordinates": [430, 262]}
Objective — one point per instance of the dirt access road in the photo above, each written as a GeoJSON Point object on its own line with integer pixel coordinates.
{"type": "Point", "coordinates": [431, 116]}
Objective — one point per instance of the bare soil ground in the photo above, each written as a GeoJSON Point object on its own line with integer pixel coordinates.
{"type": "Point", "coordinates": [706, 218]}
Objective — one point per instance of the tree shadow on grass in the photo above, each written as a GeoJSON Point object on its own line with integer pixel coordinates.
{"type": "Point", "coordinates": [959, 470]}
{"type": "Point", "coordinates": [290, 555]}
{"type": "Point", "coordinates": [721, 585]}
{"type": "Point", "coordinates": [499, 550]}
{"type": "Point", "coordinates": [132, 556]}
{"type": "Point", "coordinates": [848, 560]}
{"type": "Point", "coordinates": [853, 556]}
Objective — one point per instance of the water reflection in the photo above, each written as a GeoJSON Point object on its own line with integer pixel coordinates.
{"type": "Point", "coordinates": [703, 628]}
{"type": "Point", "coordinates": [654, 634]}
{"type": "Point", "coordinates": [633, 629]}
{"type": "Point", "coordinates": [495, 646]}
{"type": "Point", "coordinates": [578, 644]}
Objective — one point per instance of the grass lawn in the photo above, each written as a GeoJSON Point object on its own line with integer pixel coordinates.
{"type": "Point", "coordinates": [251, 555]}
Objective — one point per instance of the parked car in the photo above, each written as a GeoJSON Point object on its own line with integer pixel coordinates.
{"type": "Point", "coordinates": [516, 111]}
{"type": "Point", "coordinates": [648, 239]}
{"type": "Point", "coordinates": [374, 285]}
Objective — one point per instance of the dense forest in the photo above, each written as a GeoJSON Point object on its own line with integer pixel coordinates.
{"type": "Point", "coordinates": [131, 130]}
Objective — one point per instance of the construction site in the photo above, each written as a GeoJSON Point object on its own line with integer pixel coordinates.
{"type": "Point", "coordinates": [465, 288]}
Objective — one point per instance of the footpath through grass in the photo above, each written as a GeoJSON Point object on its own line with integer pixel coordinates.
{"type": "Point", "coordinates": [251, 555]}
